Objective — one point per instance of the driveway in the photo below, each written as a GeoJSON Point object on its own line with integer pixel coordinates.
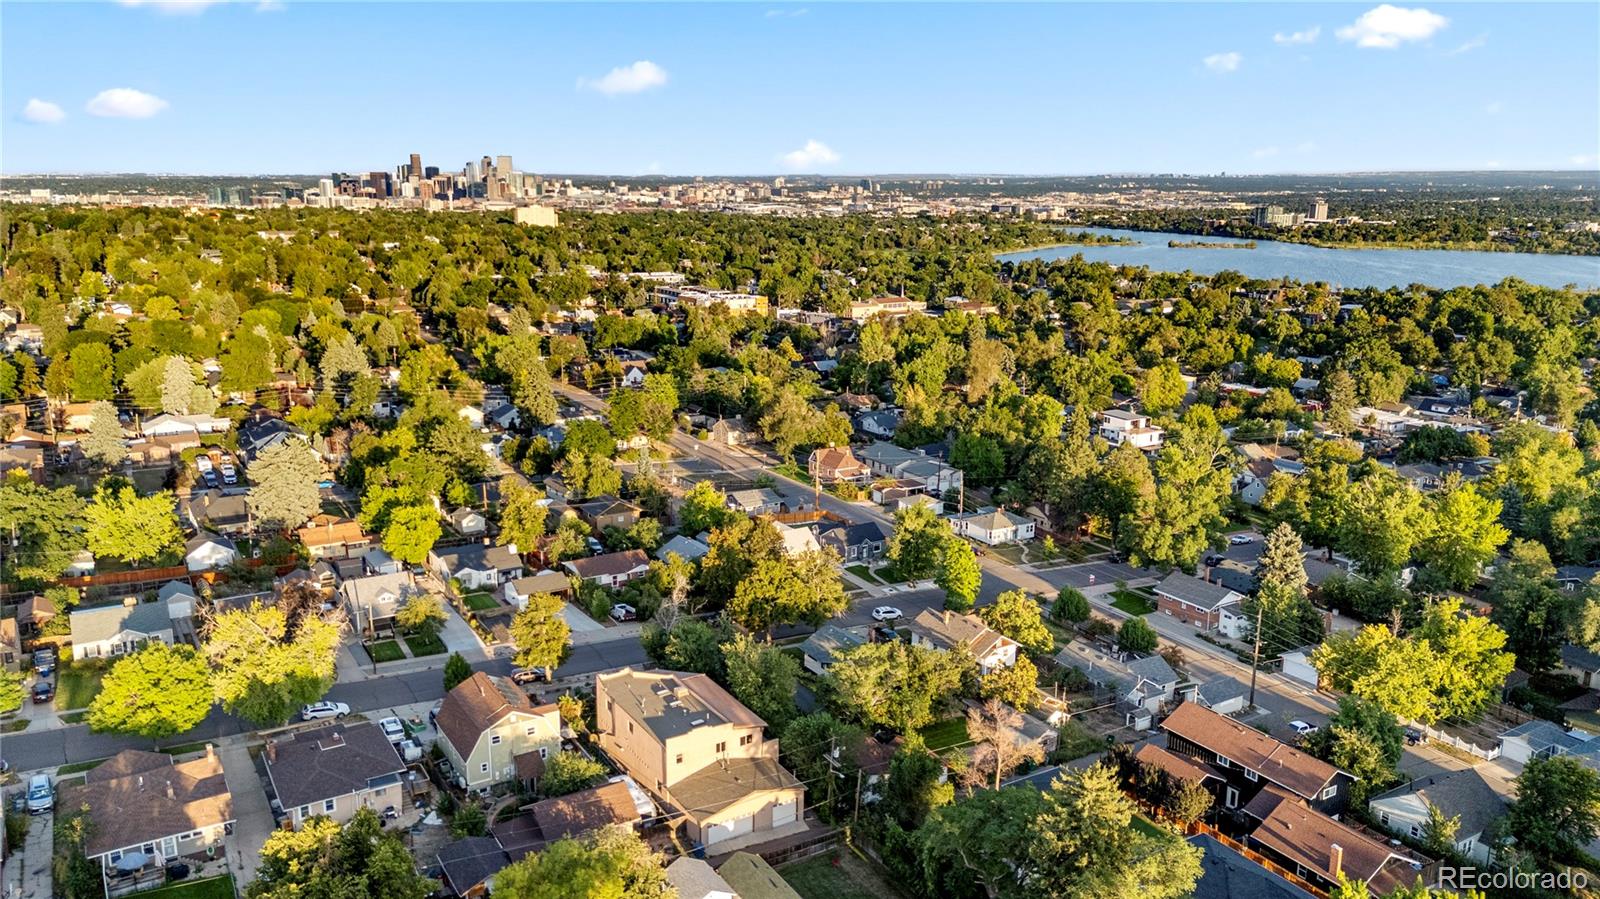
{"type": "Point", "coordinates": [253, 817]}
{"type": "Point", "coordinates": [28, 874]}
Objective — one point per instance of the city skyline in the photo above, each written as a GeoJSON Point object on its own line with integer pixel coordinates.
{"type": "Point", "coordinates": [727, 90]}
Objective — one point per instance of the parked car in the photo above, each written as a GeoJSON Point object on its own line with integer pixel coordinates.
{"type": "Point", "coordinates": [525, 675]}
{"type": "Point", "coordinates": [393, 728]}
{"type": "Point", "coordinates": [324, 709]}
{"type": "Point", "coordinates": [1242, 539]}
{"type": "Point", "coordinates": [43, 692]}
{"type": "Point", "coordinates": [624, 612]}
{"type": "Point", "coordinates": [1413, 736]}
{"type": "Point", "coordinates": [1213, 560]}
{"type": "Point", "coordinates": [886, 613]}
{"type": "Point", "coordinates": [44, 661]}
{"type": "Point", "coordinates": [1302, 728]}
{"type": "Point", "coordinates": [41, 795]}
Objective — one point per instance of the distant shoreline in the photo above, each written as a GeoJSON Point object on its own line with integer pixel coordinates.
{"type": "Point", "coordinates": [1210, 245]}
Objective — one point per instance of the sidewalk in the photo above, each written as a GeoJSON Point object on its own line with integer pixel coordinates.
{"type": "Point", "coordinates": [252, 816]}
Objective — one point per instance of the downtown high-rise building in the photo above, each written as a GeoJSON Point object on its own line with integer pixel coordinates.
{"type": "Point", "coordinates": [416, 166]}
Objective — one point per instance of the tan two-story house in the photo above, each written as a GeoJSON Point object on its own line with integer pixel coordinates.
{"type": "Point", "coordinates": [335, 771]}
{"type": "Point", "coordinates": [493, 733]}
{"type": "Point", "coordinates": [687, 740]}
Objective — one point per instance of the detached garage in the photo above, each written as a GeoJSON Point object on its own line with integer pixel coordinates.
{"type": "Point", "coordinates": [728, 830]}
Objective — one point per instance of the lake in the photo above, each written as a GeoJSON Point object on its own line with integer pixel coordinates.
{"type": "Point", "coordinates": [1339, 267]}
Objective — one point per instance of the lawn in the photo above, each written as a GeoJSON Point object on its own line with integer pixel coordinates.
{"type": "Point", "coordinates": [424, 644]}
{"type": "Point", "coordinates": [840, 874]}
{"type": "Point", "coordinates": [1132, 603]}
{"type": "Point", "coordinates": [944, 734]}
{"type": "Point", "coordinates": [1076, 741]}
{"type": "Point", "coordinates": [863, 573]}
{"type": "Point", "coordinates": [480, 602]}
{"type": "Point", "coordinates": [1147, 827]}
{"type": "Point", "coordinates": [77, 767]}
{"type": "Point", "coordinates": [77, 686]}
{"type": "Point", "coordinates": [210, 888]}
{"type": "Point", "coordinates": [385, 651]}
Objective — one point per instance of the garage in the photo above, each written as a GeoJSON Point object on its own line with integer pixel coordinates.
{"type": "Point", "coordinates": [727, 830]}
{"type": "Point", "coordinates": [783, 813]}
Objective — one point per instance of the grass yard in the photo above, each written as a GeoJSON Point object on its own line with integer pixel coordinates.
{"type": "Point", "coordinates": [1077, 741]}
{"type": "Point", "coordinates": [944, 734]}
{"type": "Point", "coordinates": [424, 644]}
{"type": "Point", "coordinates": [1132, 603]}
{"type": "Point", "coordinates": [840, 874]}
{"type": "Point", "coordinates": [1011, 552]}
{"type": "Point", "coordinates": [863, 573]}
{"type": "Point", "coordinates": [210, 888]}
{"type": "Point", "coordinates": [78, 767]}
{"type": "Point", "coordinates": [1147, 827]}
{"type": "Point", "coordinates": [385, 651]}
{"type": "Point", "coordinates": [480, 602]}
{"type": "Point", "coordinates": [184, 748]}
{"type": "Point", "coordinates": [77, 686]}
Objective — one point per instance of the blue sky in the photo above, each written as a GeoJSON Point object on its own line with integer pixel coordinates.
{"type": "Point", "coordinates": [308, 87]}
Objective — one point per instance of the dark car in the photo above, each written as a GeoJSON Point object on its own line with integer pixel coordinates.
{"type": "Point", "coordinates": [1413, 736]}
{"type": "Point", "coordinates": [43, 692]}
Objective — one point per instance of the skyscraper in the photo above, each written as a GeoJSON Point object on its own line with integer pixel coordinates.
{"type": "Point", "coordinates": [1319, 210]}
{"type": "Point", "coordinates": [416, 165]}
{"type": "Point", "coordinates": [502, 166]}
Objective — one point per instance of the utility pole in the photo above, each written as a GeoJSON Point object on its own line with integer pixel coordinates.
{"type": "Point", "coordinates": [1255, 656]}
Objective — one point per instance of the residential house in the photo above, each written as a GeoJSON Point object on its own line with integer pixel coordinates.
{"type": "Point", "coordinates": [1582, 664]}
{"type": "Point", "coordinates": [1250, 760]}
{"type": "Point", "coordinates": [994, 527]}
{"type": "Point", "coordinates": [1297, 664]}
{"type": "Point", "coordinates": [516, 592]}
{"type": "Point", "coordinates": [861, 310]}
{"type": "Point", "coordinates": [184, 425]}
{"type": "Point", "coordinates": [504, 417]}
{"type": "Point", "coordinates": [1226, 873]}
{"type": "Point", "coordinates": [1180, 767]}
{"type": "Point", "coordinates": [335, 771]}
{"type": "Point", "coordinates": [608, 512]}
{"type": "Point", "coordinates": [731, 432]}
{"type": "Point", "coordinates": [77, 416]}
{"type": "Point", "coordinates": [693, 878]}
{"type": "Point", "coordinates": [34, 613]}
{"type": "Point", "coordinates": [1222, 695]}
{"type": "Point", "coordinates": [1202, 604]}
{"type": "Point", "coordinates": [1573, 578]}
{"type": "Point", "coordinates": [833, 465]}
{"type": "Point", "coordinates": [1119, 426]}
{"type": "Point", "coordinates": [491, 727]}
{"type": "Point", "coordinates": [204, 552]}
{"type": "Point", "coordinates": [107, 631]}
{"type": "Point", "coordinates": [1465, 795]}
{"type": "Point", "coordinates": [1141, 685]}
{"type": "Point", "coordinates": [467, 866]}
{"type": "Point", "coordinates": [467, 522]}
{"type": "Point", "coordinates": [221, 513]}
{"type": "Point", "coordinates": [611, 569]}
{"type": "Point", "coordinates": [880, 424]}
{"type": "Point", "coordinates": [334, 537]}
{"type": "Point", "coordinates": [476, 566]}
{"type": "Point", "coordinates": [377, 561]}
{"type": "Point", "coordinates": [1319, 849]}
{"type": "Point", "coordinates": [144, 802]}
{"type": "Point", "coordinates": [752, 878]}
{"type": "Point", "coordinates": [797, 539]}
{"type": "Point", "coordinates": [576, 814]}
{"type": "Point", "coordinates": [822, 648]}
{"type": "Point", "coordinates": [760, 501]}
{"type": "Point", "coordinates": [885, 460]}
{"type": "Point", "coordinates": [948, 630]}
{"type": "Point", "coordinates": [262, 433]}
{"type": "Point", "coordinates": [685, 738]}
{"type": "Point", "coordinates": [1542, 739]}
{"type": "Point", "coordinates": [685, 548]}
{"type": "Point", "coordinates": [866, 541]}
{"type": "Point", "coordinates": [10, 644]}
{"type": "Point", "coordinates": [472, 415]}
{"type": "Point", "coordinates": [372, 601]}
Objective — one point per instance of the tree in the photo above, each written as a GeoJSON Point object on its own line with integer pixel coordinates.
{"type": "Point", "coordinates": [456, 670]}
{"type": "Point", "coordinates": [91, 372]}
{"type": "Point", "coordinates": [267, 660]}
{"type": "Point", "coordinates": [1465, 533]}
{"type": "Point", "coordinates": [523, 517]}
{"type": "Point", "coordinates": [1535, 614]}
{"type": "Point", "coordinates": [1162, 388]}
{"type": "Point", "coordinates": [159, 691]}
{"type": "Point", "coordinates": [1439, 831]}
{"type": "Point", "coordinates": [469, 821]}
{"type": "Point", "coordinates": [411, 531]}
{"type": "Point", "coordinates": [1016, 614]}
{"type": "Point", "coordinates": [695, 646]}
{"type": "Point", "coordinates": [124, 525]}
{"type": "Point", "coordinates": [804, 588]}
{"type": "Point", "coordinates": [540, 634]}
{"type": "Point", "coordinates": [704, 509]}
{"type": "Point", "coordinates": [44, 525]}
{"type": "Point", "coordinates": [1016, 684]}
{"type": "Point", "coordinates": [918, 542]}
{"type": "Point", "coordinates": [285, 479]}
{"type": "Point", "coordinates": [762, 677]}
{"type": "Point", "coordinates": [361, 858]}
{"type": "Point", "coordinates": [586, 454]}
{"type": "Point", "coordinates": [1364, 739]}
{"type": "Point", "coordinates": [103, 443]}
{"type": "Point", "coordinates": [1471, 661]}
{"type": "Point", "coordinates": [1557, 809]}
{"type": "Point", "coordinates": [895, 685]}
{"type": "Point", "coordinates": [609, 862]}
{"type": "Point", "coordinates": [422, 614]}
{"type": "Point", "coordinates": [1136, 635]}
{"type": "Point", "coordinates": [914, 789]}
{"type": "Point", "coordinates": [1070, 605]}
{"type": "Point", "coordinates": [958, 574]}
{"type": "Point", "coordinates": [569, 772]}
{"type": "Point", "coordinates": [1381, 520]}
{"type": "Point", "coordinates": [996, 728]}
{"type": "Point", "coordinates": [11, 692]}
{"type": "Point", "coordinates": [1288, 619]}
{"type": "Point", "coordinates": [177, 386]}
{"type": "Point", "coordinates": [1183, 514]}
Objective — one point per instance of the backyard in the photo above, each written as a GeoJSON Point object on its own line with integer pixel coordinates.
{"type": "Point", "coordinates": [840, 874]}
{"type": "Point", "coordinates": [480, 602]}
{"type": "Point", "coordinates": [77, 684]}
{"type": "Point", "coordinates": [210, 888]}
{"type": "Point", "coordinates": [942, 735]}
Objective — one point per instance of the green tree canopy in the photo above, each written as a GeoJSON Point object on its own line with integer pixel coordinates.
{"type": "Point", "coordinates": [285, 480]}
{"type": "Point", "coordinates": [124, 525]}
{"type": "Point", "coordinates": [540, 634]}
{"type": "Point", "coordinates": [157, 692]}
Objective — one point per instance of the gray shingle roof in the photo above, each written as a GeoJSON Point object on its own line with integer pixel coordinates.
{"type": "Point", "coordinates": [1194, 591]}
{"type": "Point", "coordinates": [94, 625]}
{"type": "Point", "coordinates": [327, 762]}
{"type": "Point", "coordinates": [1153, 669]}
{"type": "Point", "coordinates": [829, 639]}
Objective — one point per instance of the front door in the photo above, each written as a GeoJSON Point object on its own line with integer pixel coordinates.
{"type": "Point", "coordinates": [1230, 798]}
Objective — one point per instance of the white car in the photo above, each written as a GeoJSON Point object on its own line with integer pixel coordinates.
{"type": "Point", "coordinates": [393, 728]}
{"type": "Point", "coordinates": [885, 613]}
{"type": "Point", "coordinates": [624, 612]}
{"type": "Point", "coordinates": [41, 795]}
{"type": "Point", "coordinates": [323, 710]}
{"type": "Point", "coordinates": [1302, 728]}
{"type": "Point", "coordinates": [1242, 539]}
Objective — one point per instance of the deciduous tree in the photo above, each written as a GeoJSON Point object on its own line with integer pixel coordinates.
{"type": "Point", "coordinates": [124, 525]}
{"type": "Point", "coordinates": [540, 634]}
{"type": "Point", "coordinates": [895, 685]}
{"type": "Point", "coordinates": [285, 480]}
{"type": "Point", "coordinates": [1557, 809]}
{"type": "Point", "coordinates": [610, 862]}
{"type": "Point", "coordinates": [762, 677]}
{"type": "Point", "coordinates": [157, 692]}
{"type": "Point", "coordinates": [1016, 614]}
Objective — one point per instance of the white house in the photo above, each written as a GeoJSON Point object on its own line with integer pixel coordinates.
{"type": "Point", "coordinates": [516, 592]}
{"type": "Point", "coordinates": [1465, 795]}
{"type": "Point", "coordinates": [994, 527]}
{"type": "Point", "coordinates": [472, 415]}
{"type": "Point", "coordinates": [206, 551]}
{"type": "Point", "coordinates": [1119, 426]}
{"type": "Point", "coordinates": [1297, 664]}
{"type": "Point", "coordinates": [118, 630]}
{"type": "Point", "coordinates": [467, 522]}
{"type": "Point", "coordinates": [947, 630]}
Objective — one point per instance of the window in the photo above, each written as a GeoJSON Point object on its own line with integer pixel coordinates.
{"type": "Point", "coordinates": [305, 811]}
{"type": "Point", "coordinates": [1330, 792]}
{"type": "Point", "coordinates": [1416, 832]}
{"type": "Point", "coordinates": [1222, 760]}
{"type": "Point", "coordinates": [630, 727]}
{"type": "Point", "coordinates": [745, 740]}
{"type": "Point", "coordinates": [1250, 775]}
{"type": "Point", "coordinates": [722, 747]}
{"type": "Point", "coordinates": [533, 730]}
{"type": "Point", "coordinates": [494, 739]}
{"type": "Point", "coordinates": [678, 760]}
{"type": "Point", "coordinates": [327, 806]}
{"type": "Point", "coordinates": [1230, 797]}
{"type": "Point", "coordinates": [544, 752]}
{"type": "Point", "coordinates": [483, 768]}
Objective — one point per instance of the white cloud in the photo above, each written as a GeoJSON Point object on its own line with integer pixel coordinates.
{"type": "Point", "coordinates": [630, 79]}
{"type": "Point", "coordinates": [1469, 46]}
{"type": "Point", "coordinates": [815, 153]}
{"type": "Point", "coordinates": [1265, 153]}
{"type": "Point", "coordinates": [125, 103]}
{"type": "Point", "coordinates": [42, 112]}
{"type": "Point", "coordinates": [1309, 36]}
{"type": "Point", "coordinates": [787, 13]}
{"type": "Point", "coordinates": [1494, 108]}
{"type": "Point", "coordinates": [171, 7]}
{"type": "Point", "coordinates": [1387, 27]}
{"type": "Point", "coordinates": [1223, 62]}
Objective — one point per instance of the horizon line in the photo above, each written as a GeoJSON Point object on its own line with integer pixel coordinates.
{"type": "Point", "coordinates": [659, 176]}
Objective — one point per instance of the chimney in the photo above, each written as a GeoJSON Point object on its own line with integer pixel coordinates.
{"type": "Point", "coordinates": [170, 793]}
{"type": "Point", "coordinates": [211, 752]}
{"type": "Point", "coordinates": [946, 615]}
{"type": "Point", "coordinates": [272, 750]}
{"type": "Point", "coordinates": [1336, 859]}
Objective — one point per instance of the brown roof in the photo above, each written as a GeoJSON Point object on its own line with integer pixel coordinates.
{"type": "Point", "coordinates": [951, 630]}
{"type": "Point", "coordinates": [530, 765]}
{"type": "Point", "coordinates": [1176, 765]}
{"type": "Point", "coordinates": [140, 797]}
{"type": "Point", "coordinates": [1298, 772]}
{"type": "Point", "coordinates": [1307, 837]}
{"type": "Point", "coordinates": [36, 608]}
{"type": "Point", "coordinates": [834, 458]}
{"type": "Point", "coordinates": [331, 530]}
{"type": "Point", "coordinates": [585, 810]}
{"type": "Point", "coordinates": [609, 564]}
{"type": "Point", "coordinates": [476, 704]}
